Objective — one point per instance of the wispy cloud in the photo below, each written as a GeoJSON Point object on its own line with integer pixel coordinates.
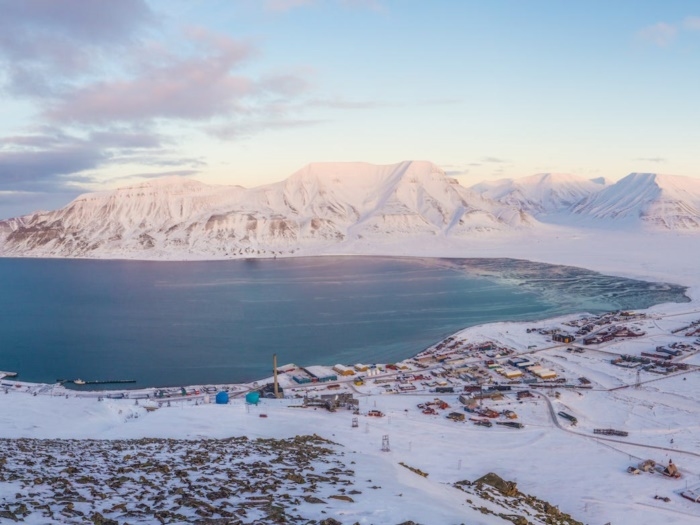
{"type": "Point", "coordinates": [92, 116]}
{"type": "Point", "coordinates": [17, 203]}
{"type": "Point", "coordinates": [692, 23]}
{"type": "Point", "coordinates": [51, 160]}
{"type": "Point", "coordinates": [243, 129]}
{"type": "Point", "coordinates": [657, 160]}
{"type": "Point", "coordinates": [196, 86]}
{"type": "Point", "coordinates": [664, 34]}
{"type": "Point", "coordinates": [155, 175]}
{"type": "Point", "coordinates": [660, 34]}
{"type": "Point", "coordinates": [45, 45]}
{"type": "Point", "coordinates": [282, 6]}
{"type": "Point", "coordinates": [373, 5]}
{"type": "Point", "coordinates": [342, 103]}
{"type": "Point", "coordinates": [456, 172]}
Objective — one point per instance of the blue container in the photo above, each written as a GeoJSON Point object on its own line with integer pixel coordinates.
{"type": "Point", "coordinates": [222, 398]}
{"type": "Point", "coordinates": [252, 398]}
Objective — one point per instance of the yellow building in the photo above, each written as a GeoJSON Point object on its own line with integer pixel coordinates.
{"type": "Point", "coordinates": [343, 370]}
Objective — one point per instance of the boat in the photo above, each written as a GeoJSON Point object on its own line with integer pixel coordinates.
{"type": "Point", "coordinates": [78, 382]}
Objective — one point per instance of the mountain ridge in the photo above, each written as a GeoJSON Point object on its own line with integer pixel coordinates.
{"type": "Point", "coordinates": [321, 203]}
{"type": "Point", "coordinates": [327, 204]}
{"type": "Point", "coordinates": [663, 201]}
{"type": "Point", "coordinates": [540, 194]}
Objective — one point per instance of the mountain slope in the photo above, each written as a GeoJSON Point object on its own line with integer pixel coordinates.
{"type": "Point", "coordinates": [540, 194]}
{"type": "Point", "coordinates": [319, 204]}
{"type": "Point", "coordinates": [656, 201]}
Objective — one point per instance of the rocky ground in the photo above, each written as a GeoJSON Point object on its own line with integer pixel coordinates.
{"type": "Point", "coordinates": [519, 508]}
{"type": "Point", "coordinates": [232, 481]}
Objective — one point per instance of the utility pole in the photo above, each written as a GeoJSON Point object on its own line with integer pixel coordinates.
{"type": "Point", "coordinates": [274, 370]}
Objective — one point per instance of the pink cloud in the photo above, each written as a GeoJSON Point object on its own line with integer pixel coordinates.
{"type": "Point", "coordinates": [661, 34]}
{"type": "Point", "coordinates": [166, 86]}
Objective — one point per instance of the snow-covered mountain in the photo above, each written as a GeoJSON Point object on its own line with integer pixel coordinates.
{"type": "Point", "coordinates": [654, 201]}
{"type": "Point", "coordinates": [540, 194]}
{"type": "Point", "coordinates": [332, 204]}
{"type": "Point", "coordinates": [320, 204]}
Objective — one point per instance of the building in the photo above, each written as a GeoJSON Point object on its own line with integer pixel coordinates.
{"type": "Point", "coordinates": [456, 416]}
{"type": "Point", "coordinates": [563, 338]}
{"type": "Point", "coordinates": [320, 374]}
{"type": "Point", "coordinates": [343, 370]}
{"type": "Point", "coordinates": [512, 374]}
{"type": "Point", "coordinates": [545, 373]}
{"type": "Point", "coordinates": [268, 391]}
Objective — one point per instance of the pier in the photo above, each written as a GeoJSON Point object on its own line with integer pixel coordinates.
{"type": "Point", "coordinates": [80, 382]}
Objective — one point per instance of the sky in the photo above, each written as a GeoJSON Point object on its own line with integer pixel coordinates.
{"type": "Point", "coordinates": [101, 94]}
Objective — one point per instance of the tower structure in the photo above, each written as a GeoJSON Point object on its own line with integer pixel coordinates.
{"type": "Point", "coordinates": [274, 369]}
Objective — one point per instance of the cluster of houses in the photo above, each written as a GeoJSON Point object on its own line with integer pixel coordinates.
{"type": "Point", "coordinates": [649, 363]}
{"type": "Point", "coordinates": [453, 349]}
{"type": "Point", "coordinates": [366, 370]}
{"type": "Point", "coordinates": [614, 332]}
{"type": "Point", "coordinates": [691, 330]}
{"type": "Point", "coordinates": [523, 364]}
{"type": "Point", "coordinates": [588, 324]}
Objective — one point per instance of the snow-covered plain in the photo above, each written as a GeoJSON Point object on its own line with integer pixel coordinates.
{"type": "Point", "coordinates": [571, 468]}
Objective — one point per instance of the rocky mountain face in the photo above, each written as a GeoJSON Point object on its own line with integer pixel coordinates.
{"type": "Point", "coordinates": [320, 204]}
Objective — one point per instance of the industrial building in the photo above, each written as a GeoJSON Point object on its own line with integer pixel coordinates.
{"type": "Point", "coordinates": [343, 370]}
{"type": "Point", "coordinates": [320, 374]}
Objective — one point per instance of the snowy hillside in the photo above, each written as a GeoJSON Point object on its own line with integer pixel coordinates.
{"type": "Point", "coordinates": [540, 194]}
{"type": "Point", "coordinates": [322, 204]}
{"type": "Point", "coordinates": [656, 201]}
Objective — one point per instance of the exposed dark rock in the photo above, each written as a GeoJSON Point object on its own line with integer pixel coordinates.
{"type": "Point", "coordinates": [507, 488]}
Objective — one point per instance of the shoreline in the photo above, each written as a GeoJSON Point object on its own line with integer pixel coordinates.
{"type": "Point", "coordinates": [475, 267]}
{"type": "Point", "coordinates": [240, 389]}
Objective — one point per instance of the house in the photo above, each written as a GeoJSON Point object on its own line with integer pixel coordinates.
{"type": "Point", "coordinates": [456, 416]}
{"type": "Point", "coordinates": [563, 338]}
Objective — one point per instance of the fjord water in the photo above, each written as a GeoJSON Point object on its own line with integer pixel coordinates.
{"type": "Point", "coordinates": [180, 323]}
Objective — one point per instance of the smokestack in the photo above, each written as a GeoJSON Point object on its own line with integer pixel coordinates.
{"type": "Point", "coordinates": [274, 368]}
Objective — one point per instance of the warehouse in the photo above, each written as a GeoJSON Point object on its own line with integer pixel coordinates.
{"type": "Point", "coordinates": [512, 374]}
{"type": "Point", "coordinates": [343, 370]}
{"type": "Point", "coordinates": [546, 373]}
{"type": "Point", "coordinates": [320, 374]}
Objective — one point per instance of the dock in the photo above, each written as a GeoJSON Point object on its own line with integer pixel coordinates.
{"type": "Point", "coordinates": [80, 382]}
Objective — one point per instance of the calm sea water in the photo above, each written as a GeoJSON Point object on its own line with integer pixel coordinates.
{"type": "Point", "coordinates": [178, 323]}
